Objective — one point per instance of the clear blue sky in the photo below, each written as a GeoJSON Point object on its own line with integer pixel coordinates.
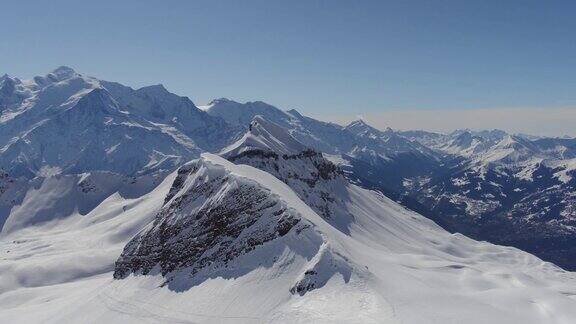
{"type": "Point", "coordinates": [322, 57]}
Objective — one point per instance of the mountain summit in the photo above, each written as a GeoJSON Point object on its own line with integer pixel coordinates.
{"type": "Point", "coordinates": [113, 210]}
{"type": "Point", "coordinates": [265, 135]}
{"type": "Point", "coordinates": [75, 123]}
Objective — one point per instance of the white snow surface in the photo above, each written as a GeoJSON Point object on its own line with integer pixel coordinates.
{"type": "Point", "coordinates": [265, 135]}
{"type": "Point", "coordinates": [74, 123]}
{"type": "Point", "coordinates": [567, 167]}
{"type": "Point", "coordinates": [394, 266]}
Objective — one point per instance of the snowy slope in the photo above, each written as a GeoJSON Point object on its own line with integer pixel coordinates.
{"type": "Point", "coordinates": [506, 189]}
{"type": "Point", "coordinates": [393, 267]}
{"type": "Point", "coordinates": [265, 135]}
{"type": "Point", "coordinates": [242, 114]}
{"type": "Point", "coordinates": [316, 180]}
{"type": "Point", "coordinates": [48, 264]}
{"type": "Point", "coordinates": [271, 230]}
{"type": "Point", "coordinates": [388, 154]}
{"type": "Point", "coordinates": [70, 123]}
{"type": "Point", "coordinates": [175, 115]}
{"type": "Point", "coordinates": [222, 242]}
{"type": "Point", "coordinates": [48, 200]}
{"type": "Point", "coordinates": [386, 145]}
{"type": "Point", "coordinates": [326, 137]}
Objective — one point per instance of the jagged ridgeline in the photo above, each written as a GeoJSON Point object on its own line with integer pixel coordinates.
{"type": "Point", "coordinates": [112, 209]}
{"type": "Point", "coordinates": [217, 236]}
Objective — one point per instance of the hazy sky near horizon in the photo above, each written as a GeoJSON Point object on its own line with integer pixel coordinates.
{"type": "Point", "coordinates": [388, 60]}
{"type": "Point", "coordinates": [554, 122]}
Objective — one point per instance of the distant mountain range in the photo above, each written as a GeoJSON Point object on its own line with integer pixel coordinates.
{"type": "Point", "coordinates": [121, 206]}
{"type": "Point", "coordinates": [509, 189]}
{"type": "Point", "coordinates": [70, 123]}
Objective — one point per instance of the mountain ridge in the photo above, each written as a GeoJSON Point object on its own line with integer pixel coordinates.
{"type": "Point", "coordinates": [270, 230]}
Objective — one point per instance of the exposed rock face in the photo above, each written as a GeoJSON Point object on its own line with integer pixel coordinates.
{"type": "Point", "coordinates": [317, 181]}
{"type": "Point", "coordinates": [218, 223]}
{"type": "Point", "coordinates": [322, 169]}
{"type": "Point", "coordinates": [312, 177]}
{"type": "Point", "coordinates": [211, 217]}
{"type": "Point", "coordinates": [321, 268]}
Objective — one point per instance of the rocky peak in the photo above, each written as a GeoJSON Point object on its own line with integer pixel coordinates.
{"type": "Point", "coordinates": [267, 136]}
{"type": "Point", "coordinates": [295, 113]}
{"type": "Point", "coordinates": [269, 147]}
{"type": "Point", "coordinates": [64, 72]}
{"type": "Point", "coordinates": [154, 90]}
{"type": "Point", "coordinates": [7, 86]}
{"type": "Point", "coordinates": [221, 101]}
{"type": "Point", "coordinates": [360, 127]}
{"type": "Point", "coordinates": [236, 216]}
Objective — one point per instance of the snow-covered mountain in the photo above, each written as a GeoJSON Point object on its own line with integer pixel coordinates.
{"type": "Point", "coordinates": [316, 180]}
{"type": "Point", "coordinates": [112, 211]}
{"type": "Point", "coordinates": [65, 122]}
{"type": "Point", "coordinates": [223, 242]}
{"type": "Point", "coordinates": [507, 189]}
{"type": "Point", "coordinates": [386, 159]}
{"type": "Point", "coordinates": [326, 137]}
{"type": "Point", "coordinates": [314, 272]}
{"type": "Point", "coordinates": [44, 200]}
{"type": "Point", "coordinates": [468, 181]}
{"type": "Point", "coordinates": [391, 157]}
{"type": "Point", "coordinates": [265, 135]}
{"type": "Point", "coordinates": [387, 143]}
{"type": "Point", "coordinates": [68, 123]}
